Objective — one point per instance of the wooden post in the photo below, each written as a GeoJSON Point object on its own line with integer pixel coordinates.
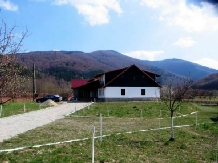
{"type": "Point", "coordinates": [34, 82]}
{"type": "Point", "coordinates": [93, 144]}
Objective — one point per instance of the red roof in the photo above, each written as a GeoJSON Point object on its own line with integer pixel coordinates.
{"type": "Point", "coordinates": [78, 82]}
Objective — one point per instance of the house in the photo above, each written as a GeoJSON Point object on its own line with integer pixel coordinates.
{"type": "Point", "coordinates": [129, 83]}
{"type": "Point", "coordinates": [77, 83]}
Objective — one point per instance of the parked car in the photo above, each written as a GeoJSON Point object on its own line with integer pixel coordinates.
{"type": "Point", "coordinates": [55, 98]}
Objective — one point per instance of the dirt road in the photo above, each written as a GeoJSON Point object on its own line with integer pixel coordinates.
{"type": "Point", "coordinates": [14, 125]}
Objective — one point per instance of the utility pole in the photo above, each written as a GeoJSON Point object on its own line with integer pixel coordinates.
{"type": "Point", "coordinates": [34, 82]}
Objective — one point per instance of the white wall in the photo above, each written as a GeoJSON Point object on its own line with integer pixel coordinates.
{"type": "Point", "coordinates": [131, 92]}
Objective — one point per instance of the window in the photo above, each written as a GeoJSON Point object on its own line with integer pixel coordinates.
{"type": "Point", "coordinates": [122, 91]}
{"type": "Point", "coordinates": [101, 92]}
{"type": "Point", "coordinates": [101, 78]}
{"type": "Point", "coordinates": [142, 91]}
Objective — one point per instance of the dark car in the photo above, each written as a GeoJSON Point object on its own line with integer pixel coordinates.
{"type": "Point", "coordinates": [55, 98]}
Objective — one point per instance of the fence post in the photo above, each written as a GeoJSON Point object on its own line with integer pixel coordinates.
{"type": "Point", "coordinates": [108, 111]}
{"type": "Point", "coordinates": [141, 116]}
{"type": "Point", "coordinates": [100, 127]}
{"type": "Point", "coordinates": [0, 110]}
{"type": "Point", "coordinates": [196, 119]}
{"type": "Point", "coordinates": [160, 117]}
{"type": "Point", "coordinates": [24, 108]}
{"type": "Point", "coordinates": [84, 109]}
{"type": "Point", "coordinates": [93, 144]}
{"type": "Point", "coordinates": [217, 152]}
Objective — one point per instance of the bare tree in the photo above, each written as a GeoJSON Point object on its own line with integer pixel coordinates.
{"type": "Point", "coordinates": [10, 70]}
{"type": "Point", "coordinates": [172, 95]}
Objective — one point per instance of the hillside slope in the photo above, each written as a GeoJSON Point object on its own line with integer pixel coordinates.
{"type": "Point", "coordinates": [76, 64]}
{"type": "Point", "coordinates": [208, 83]}
{"type": "Point", "coordinates": [73, 64]}
{"type": "Point", "coordinates": [183, 67]}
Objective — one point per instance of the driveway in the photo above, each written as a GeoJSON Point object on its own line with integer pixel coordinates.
{"type": "Point", "coordinates": [14, 125]}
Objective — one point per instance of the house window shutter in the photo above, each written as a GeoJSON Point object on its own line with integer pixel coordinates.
{"type": "Point", "coordinates": [122, 91]}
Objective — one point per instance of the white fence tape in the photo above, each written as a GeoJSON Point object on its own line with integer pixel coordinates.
{"type": "Point", "coordinates": [76, 140]}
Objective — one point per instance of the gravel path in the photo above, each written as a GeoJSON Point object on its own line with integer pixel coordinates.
{"type": "Point", "coordinates": [14, 125]}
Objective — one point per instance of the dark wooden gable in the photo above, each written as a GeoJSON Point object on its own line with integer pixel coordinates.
{"type": "Point", "coordinates": [130, 77]}
{"type": "Point", "coordinates": [112, 74]}
{"type": "Point", "coordinates": [151, 74]}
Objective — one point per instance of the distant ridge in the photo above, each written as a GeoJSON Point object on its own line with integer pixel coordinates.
{"type": "Point", "coordinates": [208, 83]}
{"type": "Point", "coordinates": [183, 67]}
{"type": "Point", "coordinates": [77, 64]}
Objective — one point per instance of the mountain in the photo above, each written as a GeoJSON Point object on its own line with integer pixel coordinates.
{"type": "Point", "coordinates": [76, 64]}
{"type": "Point", "coordinates": [183, 67]}
{"type": "Point", "coordinates": [208, 83]}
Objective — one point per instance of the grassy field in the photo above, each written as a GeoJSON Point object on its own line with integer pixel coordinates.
{"type": "Point", "coordinates": [205, 99]}
{"type": "Point", "coordinates": [13, 108]}
{"type": "Point", "coordinates": [131, 136]}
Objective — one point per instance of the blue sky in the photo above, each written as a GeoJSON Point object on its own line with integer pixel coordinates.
{"type": "Point", "coordinates": [143, 29]}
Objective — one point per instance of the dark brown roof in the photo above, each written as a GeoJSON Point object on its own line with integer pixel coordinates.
{"type": "Point", "coordinates": [119, 72]}
{"type": "Point", "coordinates": [125, 69]}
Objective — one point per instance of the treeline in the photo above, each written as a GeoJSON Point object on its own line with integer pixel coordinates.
{"type": "Point", "coordinates": [62, 73]}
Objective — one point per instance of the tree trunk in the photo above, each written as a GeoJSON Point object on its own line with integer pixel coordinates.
{"type": "Point", "coordinates": [172, 127]}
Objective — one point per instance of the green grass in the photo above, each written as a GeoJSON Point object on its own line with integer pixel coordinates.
{"type": "Point", "coordinates": [133, 110]}
{"type": "Point", "coordinates": [192, 144]}
{"type": "Point", "coordinates": [13, 108]}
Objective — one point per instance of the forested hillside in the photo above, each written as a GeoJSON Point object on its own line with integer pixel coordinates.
{"type": "Point", "coordinates": [66, 65]}
{"type": "Point", "coordinates": [208, 83]}
{"type": "Point", "coordinates": [55, 69]}
{"type": "Point", "coordinates": [74, 64]}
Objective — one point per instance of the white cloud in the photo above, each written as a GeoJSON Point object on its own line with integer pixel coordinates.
{"type": "Point", "coordinates": [208, 62]}
{"type": "Point", "coordinates": [92, 15]}
{"type": "Point", "coordinates": [144, 55]}
{"type": "Point", "coordinates": [7, 5]}
{"type": "Point", "coordinates": [185, 42]}
{"type": "Point", "coordinates": [96, 12]}
{"type": "Point", "coordinates": [188, 16]}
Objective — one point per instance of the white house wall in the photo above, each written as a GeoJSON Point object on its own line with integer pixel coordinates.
{"type": "Point", "coordinates": [131, 92]}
